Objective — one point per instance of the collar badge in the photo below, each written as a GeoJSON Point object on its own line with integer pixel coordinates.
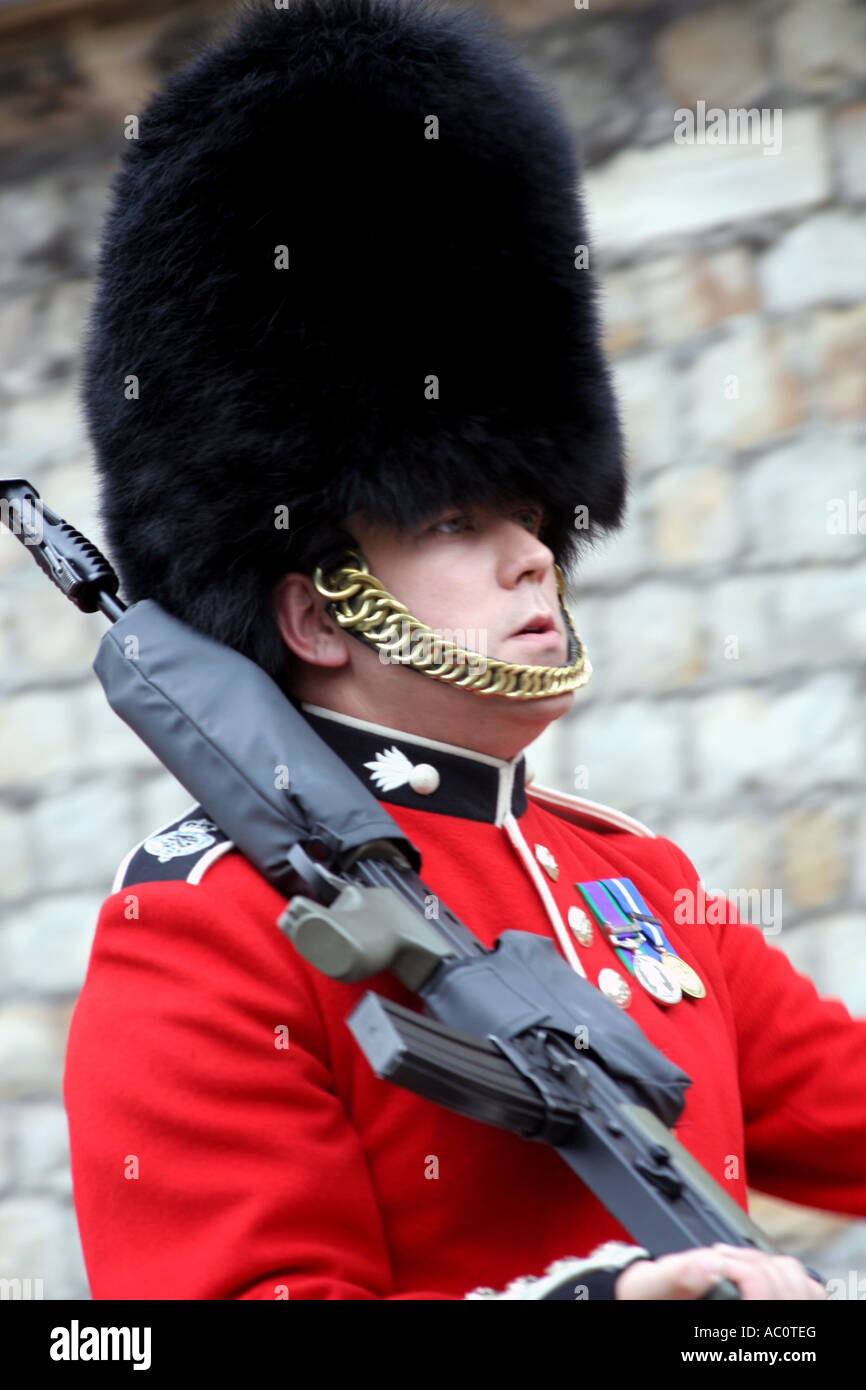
{"type": "Point", "coordinates": [391, 769]}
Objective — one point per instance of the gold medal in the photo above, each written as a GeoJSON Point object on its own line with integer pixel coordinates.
{"type": "Point", "coordinates": [688, 979]}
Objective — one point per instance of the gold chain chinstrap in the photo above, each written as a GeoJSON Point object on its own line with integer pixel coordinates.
{"type": "Point", "coordinates": [362, 605]}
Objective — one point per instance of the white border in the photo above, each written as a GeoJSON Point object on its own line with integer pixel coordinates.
{"type": "Point", "coordinates": [515, 835]}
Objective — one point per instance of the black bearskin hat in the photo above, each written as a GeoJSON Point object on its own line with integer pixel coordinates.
{"type": "Point", "coordinates": [341, 270]}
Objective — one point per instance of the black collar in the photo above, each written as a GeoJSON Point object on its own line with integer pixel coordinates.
{"type": "Point", "coordinates": [408, 770]}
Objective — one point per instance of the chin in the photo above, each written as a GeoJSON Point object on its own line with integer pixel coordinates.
{"type": "Point", "coordinates": [560, 704]}
{"type": "Point", "coordinates": [545, 710]}
{"type": "Point", "coordinates": [554, 704]}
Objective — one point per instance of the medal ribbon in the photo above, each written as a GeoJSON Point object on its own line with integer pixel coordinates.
{"type": "Point", "coordinates": [621, 933]}
{"type": "Point", "coordinates": [628, 898]}
{"type": "Point", "coordinates": [632, 905]}
{"type": "Point", "coordinates": [636, 935]}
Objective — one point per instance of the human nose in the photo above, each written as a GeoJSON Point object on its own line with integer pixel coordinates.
{"type": "Point", "coordinates": [522, 555]}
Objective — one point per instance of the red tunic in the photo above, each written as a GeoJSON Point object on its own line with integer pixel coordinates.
{"type": "Point", "coordinates": [212, 1161]}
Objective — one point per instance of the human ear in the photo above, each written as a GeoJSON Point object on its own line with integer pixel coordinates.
{"type": "Point", "coordinates": [305, 626]}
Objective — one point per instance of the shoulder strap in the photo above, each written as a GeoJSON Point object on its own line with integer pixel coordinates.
{"type": "Point", "coordinates": [182, 851]}
{"type": "Point", "coordinates": [592, 815]}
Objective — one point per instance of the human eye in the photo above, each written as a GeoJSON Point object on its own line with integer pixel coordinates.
{"type": "Point", "coordinates": [458, 519]}
{"type": "Point", "coordinates": [533, 515]}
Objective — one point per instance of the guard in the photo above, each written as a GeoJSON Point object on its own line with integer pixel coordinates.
{"type": "Point", "coordinates": [351, 417]}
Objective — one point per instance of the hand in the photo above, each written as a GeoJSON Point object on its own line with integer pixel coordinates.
{"type": "Point", "coordinates": [692, 1273]}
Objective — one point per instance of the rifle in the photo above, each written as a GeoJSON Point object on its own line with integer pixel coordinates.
{"type": "Point", "coordinates": [497, 1040]}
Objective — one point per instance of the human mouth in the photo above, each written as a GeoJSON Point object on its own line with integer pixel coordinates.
{"type": "Point", "coordinates": [539, 624]}
{"type": "Point", "coordinates": [539, 630]}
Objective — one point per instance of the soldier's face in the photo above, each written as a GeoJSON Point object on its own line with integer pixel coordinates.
{"type": "Point", "coordinates": [478, 577]}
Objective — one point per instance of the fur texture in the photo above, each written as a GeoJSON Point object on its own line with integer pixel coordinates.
{"type": "Point", "coordinates": [409, 257]}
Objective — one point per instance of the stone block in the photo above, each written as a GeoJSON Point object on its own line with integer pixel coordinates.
{"type": "Point", "coordinates": [742, 390]}
{"type": "Point", "coordinates": [742, 640]}
{"type": "Point", "coordinates": [848, 127]}
{"type": "Point", "coordinates": [45, 948]}
{"type": "Point", "coordinates": [820, 261]}
{"type": "Point", "coordinates": [41, 1142]}
{"type": "Point", "coordinates": [596, 73]}
{"type": "Point", "coordinates": [778, 742]}
{"type": "Point", "coordinates": [622, 318]}
{"type": "Point", "coordinates": [41, 336]}
{"type": "Point", "coordinates": [615, 558]}
{"type": "Point", "coordinates": [672, 191]}
{"type": "Point", "coordinates": [115, 61]}
{"type": "Point", "coordinates": [39, 1240]}
{"type": "Point", "coordinates": [39, 742]}
{"type": "Point", "coordinates": [813, 863]}
{"type": "Point", "coordinates": [647, 391]}
{"type": "Point", "coordinates": [42, 430]}
{"type": "Point", "coordinates": [14, 561]}
{"type": "Point", "coordinates": [688, 53]}
{"type": "Point", "coordinates": [689, 294]}
{"type": "Point", "coordinates": [726, 848]}
{"type": "Point", "coordinates": [50, 638]}
{"type": "Point", "coordinates": [819, 45]}
{"type": "Point", "coordinates": [652, 641]}
{"type": "Point", "coordinates": [840, 341]}
{"type": "Point", "coordinates": [18, 860]}
{"type": "Point", "coordinates": [819, 615]}
{"type": "Point", "coordinates": [107, 743]}
{"type": "Point", "coordinates": [622, 752]}
{"type": "Point", "coordinates": [32, 1047]}
{"type": "Point", "coordinates": [832, 953]}
{"type": "Point", "coordinates": [81, 836]}
{"type": "Point", "coordinates": [692, 516]}
{"type": "Point", "coordinates": [19, 372]}
{"type": "Point", "coordinates": [30, 215]}
{"type": "Point", "coordinates": [796, 501]}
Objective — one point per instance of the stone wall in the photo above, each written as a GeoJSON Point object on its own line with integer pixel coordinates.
{"type": "Point", "coordinates": [726, 625]}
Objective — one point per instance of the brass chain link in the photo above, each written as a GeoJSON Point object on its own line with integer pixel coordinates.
{"type": "Point", "coordinates": [360, 603]}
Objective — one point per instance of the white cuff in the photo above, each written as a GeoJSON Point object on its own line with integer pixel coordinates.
{"type": "Point", "coordinates": [614, 1254]}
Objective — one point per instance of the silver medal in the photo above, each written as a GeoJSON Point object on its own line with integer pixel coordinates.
{"type": "Point", "coordinates": [655, 979]}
